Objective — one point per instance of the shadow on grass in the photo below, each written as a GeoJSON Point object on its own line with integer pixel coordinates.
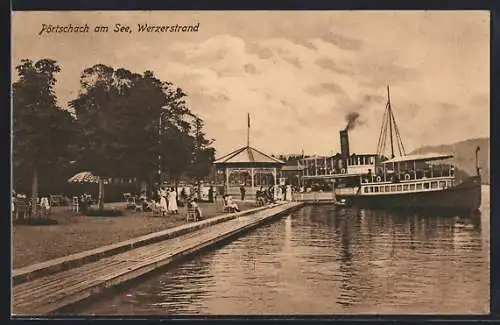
{"type": "Point", "coordinates": [36, 222]}
{"type": "Point", "coordinates": [103, 213]}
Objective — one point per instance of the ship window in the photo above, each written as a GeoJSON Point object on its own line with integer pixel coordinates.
{"type": "Point", "coordinates": [376, 189]}
{"type": "Point", "coordinates": [366, 189]}
{"type": "Point", "coordinates": [387, 188]}
{"type": "Point", "coordinates": [442, 184]}
{"type": "Point", "coordinates": [399, 188]}
{"type": "Point", "coordinates": [426, 186]}
{"type": "Point", "coordinates": [370, 189]}
{"type": "Point", "coordinates": [434, 184]}
{"type": "Point", "coordinates": [419, 186]}
{"type": "Point", "coordinates": [393, 188]}
{"type": "Point", "coordinates": [381, 188]}
{"type": "Point", "coordinates": [405, 187]}
{"type": "Point", "coordinates": [372, 160]}
{"type": "Point", "coordinates": [412, 187]}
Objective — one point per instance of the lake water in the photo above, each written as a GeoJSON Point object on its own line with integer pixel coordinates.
{"type": "Point", "coordinates": [319, 260]}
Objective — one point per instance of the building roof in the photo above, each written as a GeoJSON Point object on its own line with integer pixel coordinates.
{"type": "Point", "coordinates": [292, 168]}
{"type": "Point", "coordinates": [248, 155]}
{"type": "Point", "coordinates": [427, 157]}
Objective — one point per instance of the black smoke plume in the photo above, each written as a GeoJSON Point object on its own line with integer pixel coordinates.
{"type": "Point", "coordinates": [352, 119]}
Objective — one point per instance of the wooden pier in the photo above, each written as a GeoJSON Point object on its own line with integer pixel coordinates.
{"type": "Point", "coordinates": [48, 294]}
{"type": "Point", "coordinates": [316, 197]}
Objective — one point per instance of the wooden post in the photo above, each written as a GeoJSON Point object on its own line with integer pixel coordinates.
{"type": "Point", "coordinates": [227, 180]}
{"type": "Point", "coordinates": [252, 174]}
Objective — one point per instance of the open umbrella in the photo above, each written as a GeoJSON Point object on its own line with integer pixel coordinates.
{"type": "Point", "coordinates": [84, 177]}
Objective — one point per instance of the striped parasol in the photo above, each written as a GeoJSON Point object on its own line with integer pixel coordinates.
{"type": "Point", "coordinates": [84, 177]}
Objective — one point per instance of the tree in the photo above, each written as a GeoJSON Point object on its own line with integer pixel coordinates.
{"type": "Point", "coordinates": [203, 154]}
{"type": "Point", "coordinates": [42, 132]}
{"type": "Point", "coordinates": [132, 124]}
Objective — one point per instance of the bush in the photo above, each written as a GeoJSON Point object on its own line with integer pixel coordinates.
{"type": "Point", "coordinates": [103, 213]}
{"type": "Point", "coordinates": [35, 222]}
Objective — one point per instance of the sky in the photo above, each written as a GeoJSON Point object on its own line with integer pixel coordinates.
{"type": "Point", "coordinates": [297, 73]}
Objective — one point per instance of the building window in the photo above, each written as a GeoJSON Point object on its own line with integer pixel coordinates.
{"type": "Point", "coordinates": [372, 160]}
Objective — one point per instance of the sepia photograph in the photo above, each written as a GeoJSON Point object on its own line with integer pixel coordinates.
{"type": "Point", "coordinates": [250, 163]}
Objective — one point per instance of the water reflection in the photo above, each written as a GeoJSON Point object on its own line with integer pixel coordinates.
{"type": "Point", "coordinates": [326, 260]}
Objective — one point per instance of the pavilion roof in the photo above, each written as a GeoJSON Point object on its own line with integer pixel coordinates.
{"type": "Point", "coordinates": [248, 155]}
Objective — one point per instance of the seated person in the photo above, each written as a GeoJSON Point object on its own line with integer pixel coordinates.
{"type": "Point", "coordinates": [228, 203]}
{"type": "Point", "coordinates": [194, 205]}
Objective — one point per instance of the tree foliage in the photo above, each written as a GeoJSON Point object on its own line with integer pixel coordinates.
{"type": "Point", "coordinates": [133, 124]}
{"type": "Point", "coordinates": [43, 133]}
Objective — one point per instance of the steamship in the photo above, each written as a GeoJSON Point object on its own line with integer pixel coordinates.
{"type": "Point", "coordinates": [425, 181]}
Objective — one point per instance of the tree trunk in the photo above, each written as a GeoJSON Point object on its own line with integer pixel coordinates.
{"type": "Point", "coordinates": [198, 188]}
{"type": "Point", "coordinates": [144, 186]}
{"type": "Point", "coordinates": [34, 192]}
{"type": "Point", "coordinates": [101, 194]}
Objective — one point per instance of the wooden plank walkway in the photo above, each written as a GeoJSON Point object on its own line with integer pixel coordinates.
{"type": "Point", "coordinates": [45, 295]}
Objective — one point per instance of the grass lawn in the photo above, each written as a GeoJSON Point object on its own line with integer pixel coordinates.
{"type": "Point", "coordinates": [76, 233]}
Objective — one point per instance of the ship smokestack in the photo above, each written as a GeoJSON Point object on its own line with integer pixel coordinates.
{"type": "Point", "coordinates": [344, 147]}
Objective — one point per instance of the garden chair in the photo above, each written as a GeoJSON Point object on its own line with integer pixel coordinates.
{"type": "Point", "coordinates": [192, 214]}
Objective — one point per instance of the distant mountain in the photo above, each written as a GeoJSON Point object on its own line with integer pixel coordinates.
{"type": "Point", "coordinates": [464, 152]}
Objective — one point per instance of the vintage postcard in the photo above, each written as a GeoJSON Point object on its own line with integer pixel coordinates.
{"type": "Point", "coordinates": [250, 163]}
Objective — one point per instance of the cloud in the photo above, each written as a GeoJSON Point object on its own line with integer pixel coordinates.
{"type": "Point", "coordinates": [298, 75]}
{"type": "Point", "coordinates": [344, 42]}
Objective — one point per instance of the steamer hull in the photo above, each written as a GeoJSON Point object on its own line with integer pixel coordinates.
{"type": "Point", "coordinates": [465, 197]}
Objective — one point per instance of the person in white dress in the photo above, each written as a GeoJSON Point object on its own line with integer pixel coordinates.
{"type": "Point", "coordinates": [163, 201]}
{"type": "Point", "coordinates": [172, 201]}
{"type": "Point", "coordinates": [45, 205]}
{"type": "Point", "coordinates": [289, 193]}
{"type": "Point", "coordinates": [280, 193]}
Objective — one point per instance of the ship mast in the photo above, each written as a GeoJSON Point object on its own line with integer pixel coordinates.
{"type": "Point", "coordinates": [389, 126]}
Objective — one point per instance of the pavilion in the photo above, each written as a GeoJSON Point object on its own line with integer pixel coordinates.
{"type": "Point", "coordinates": [248, 167]}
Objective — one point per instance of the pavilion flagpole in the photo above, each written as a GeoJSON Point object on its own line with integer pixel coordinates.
{"type": "Point", "coordinates": [248, 131]}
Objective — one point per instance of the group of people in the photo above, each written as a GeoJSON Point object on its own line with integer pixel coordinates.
{"type": "Point", "coordinates": [168, 200]}
{"type": "Point", "coordinates": [272, 194]}
{"type": "Point", "coordinates": [43, 203]}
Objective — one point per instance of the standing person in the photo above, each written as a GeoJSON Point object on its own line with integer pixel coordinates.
{"type": "Point", "coordinates": [172, 201]}
{"type": "Point", "coordinates": [242, 191]}
{"type": "Point", "coordinates": [288, 194]}
{"type": "Point", "coordinates": [211, 194]}
{"type": "Point", "coordinates": [163, 201]}
{"type": "Point", "coordinates": [280, 193]}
